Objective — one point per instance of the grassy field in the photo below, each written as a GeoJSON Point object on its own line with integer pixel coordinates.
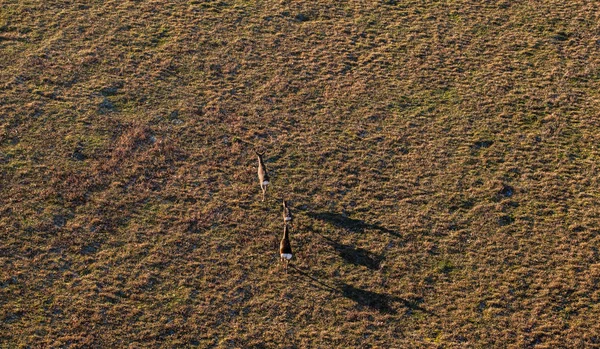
{"type": "Point", "coordinates": [441, 158]}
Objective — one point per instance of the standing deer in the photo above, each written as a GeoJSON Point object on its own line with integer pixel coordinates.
{"type": "Point", "coordinates": [285, 249]}
{"type": "Point", "coordinates": [263, 176]}
{"type": "Point", "coordinates": [287, 213]}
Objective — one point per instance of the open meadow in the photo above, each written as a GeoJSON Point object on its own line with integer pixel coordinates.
{"type": "Point", "coordinates": [441, 159]}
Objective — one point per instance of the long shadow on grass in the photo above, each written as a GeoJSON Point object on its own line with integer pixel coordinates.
{"type": "Point", "coordinates": [380, 301]}
{"type": "Point", "coordinates": [350, 224]}
{"type": "Point", "coordinates": [320, 283]}
{"type": "Point", "coordinates": [356, 256]}
{"type": "Point", "coordinates": [377, 301]}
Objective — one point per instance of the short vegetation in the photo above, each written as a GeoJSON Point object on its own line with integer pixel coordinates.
{"type": "Point", "coordinates": [441, 159]}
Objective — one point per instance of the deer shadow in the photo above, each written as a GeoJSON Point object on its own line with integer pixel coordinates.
{"type": "Point", "coordinates": [315, 281]}
{"type": "Point", "coordinates": [380, 302]}
{"type": "Point", "coordinates": [350, 224]}
{"type": "Point", "coordinates": [377, 301]}
{"type": "Point", "coordinates": [356, 256]}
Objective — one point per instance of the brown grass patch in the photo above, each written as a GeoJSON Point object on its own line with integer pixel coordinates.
{"type": "Point", "coordinates": [440, 158]}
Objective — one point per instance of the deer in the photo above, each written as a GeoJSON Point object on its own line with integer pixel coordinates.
{"type": "Point", "coordinates": [263, 176]}
{"type": "Point", "coordinates": [285, 249]}
{"type": "Point", "coordinates": [287, 213]}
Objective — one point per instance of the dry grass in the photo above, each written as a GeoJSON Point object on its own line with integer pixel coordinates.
{"type": "Point", "coordinates": [440, 156]}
